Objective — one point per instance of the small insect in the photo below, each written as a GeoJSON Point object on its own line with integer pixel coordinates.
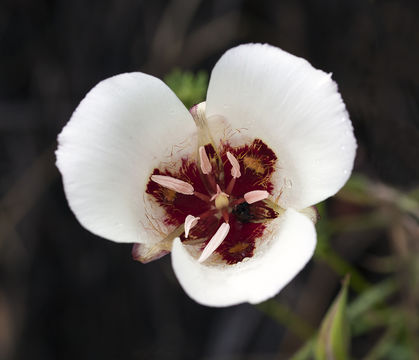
{"type": "Point", "coordinates": [243, 212]}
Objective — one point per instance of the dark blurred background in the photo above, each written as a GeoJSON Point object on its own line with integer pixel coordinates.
{"type": "Point", "coordinates": [67, 294]}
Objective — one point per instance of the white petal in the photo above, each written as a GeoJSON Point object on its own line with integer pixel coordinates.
{"type": "Point", "coordinates": [145, 253]}
{"type": "Point", "coordinates": [122, 129]}
{"type": "Point", "coordinates": [264, 92]}
{"type": "Point", "coordinates": [274, 264]}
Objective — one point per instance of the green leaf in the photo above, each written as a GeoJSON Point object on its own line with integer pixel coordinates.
{"type": "Point", "coordinates": [334, 339]}
{"type": "Point", "coordinates": [189, 87]}
{"type": "Point", "coordinates": [376, 294]}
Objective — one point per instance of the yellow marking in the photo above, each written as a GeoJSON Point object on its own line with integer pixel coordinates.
{"type": "Point", "coordinates": [169, 195]}
{"type": "Point", "coordinates": [254, 164]}
{"type": "Point", "coordinates": [238, 248]}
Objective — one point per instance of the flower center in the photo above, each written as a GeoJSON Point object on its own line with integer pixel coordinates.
{"type": "Point", "coordinates": [219, 203]}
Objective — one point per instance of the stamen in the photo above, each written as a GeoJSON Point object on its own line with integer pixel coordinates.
{"type": "Point", "coordinates": [235, 169]}
{"type": "Point", "coordinates": [190, 222]}
{"type": "Point", "coordinates": [255, 195]}
{"type": "Point", "coordinates": [207, 213]}
{"type": "Point", "coordinates": [205, 163]}
{"type": "Point", "coordinates": [238, 201]}
{"type": "Point", "coordinates": [226, 217]}
{"type": "Point", "coordinates": [202, 196]}
{"type": "Point", "coordinates": [215, 242]}
{"type": "Point", "coordinates": [172, 183]}
{"type": "Point", "coordinates": [212, 182]}
{"type": "Point", "coordinates": [231, 185]}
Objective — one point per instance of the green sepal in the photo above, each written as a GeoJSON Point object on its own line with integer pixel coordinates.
{"type": "Point", "coordinates": [333, 340]}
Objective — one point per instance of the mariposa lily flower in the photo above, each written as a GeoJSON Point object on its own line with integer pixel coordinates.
{"type": "Point", "coordinates": [227, 187]}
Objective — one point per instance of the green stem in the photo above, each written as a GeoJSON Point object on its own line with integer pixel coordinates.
{"type": "Point", "coordinates": [382, 347]}
{"type": "Point", "coordinates": [342, 267]}
{"type": "Point", "coordinates": [286, 317]}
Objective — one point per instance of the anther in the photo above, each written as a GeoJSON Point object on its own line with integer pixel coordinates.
{"type": "Point", "coordinates": [215, 242]}
{"type": "Point", "coordinates": [255, 195]}
{"type": "Point", "coordinates": [172, 183]}
{"type": "Point", "coordinates": [235, 166]}
{"type": "Point", "coordinates": [190, 222]}
{"type": "Point", "coordinates": [205, 163]}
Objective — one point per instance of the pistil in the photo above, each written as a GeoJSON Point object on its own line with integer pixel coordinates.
{"type": "Point", "coordinates": [221, 199]}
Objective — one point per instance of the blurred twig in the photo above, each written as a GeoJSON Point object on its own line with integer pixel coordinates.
{"type": "Point", "coordinates": [211, 37]}
{"type": "Point", "coordinates": [26, 190]}
{"type": "Point", "coordinates": [170, 34]}
{"type": "Point", "coordinates": [363, 191]}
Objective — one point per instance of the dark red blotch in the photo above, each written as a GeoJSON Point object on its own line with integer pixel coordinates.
{"type": "Point", "coordinates": [246, 220]}
{"type": "Point", "coordinates": [181, 205]}
{"type": "Point", "coordinates": [250, 179]}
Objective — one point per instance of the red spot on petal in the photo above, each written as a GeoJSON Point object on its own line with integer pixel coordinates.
{"type": "Point", "coordinates": [203, 230]}
{"type": "Point", "coordinates": [240, 241]}
{"type": "Point", "coordinates": [177, 205]}
{"type": "Point", "coordinates": [247, 221]}
{"type": "Point", "coordinates": [257, 163]}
